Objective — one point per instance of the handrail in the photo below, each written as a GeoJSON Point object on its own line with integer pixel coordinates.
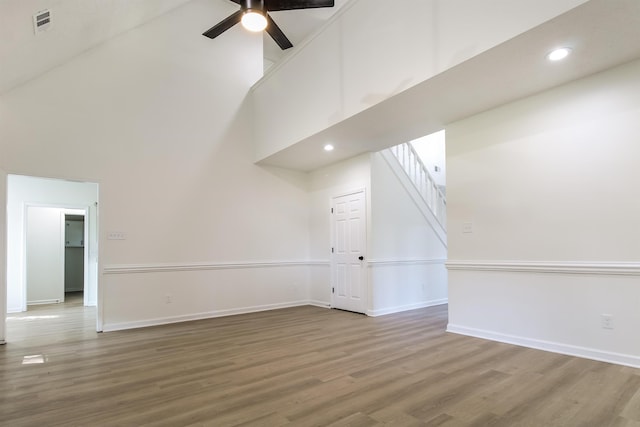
{"type": "Point", "coordinates": [422, 180]}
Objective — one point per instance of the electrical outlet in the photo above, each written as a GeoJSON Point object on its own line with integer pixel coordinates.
{"type": "Point", "coordinates": [168, 299]}
{"type": "Point", "coordinates": [607, 321]}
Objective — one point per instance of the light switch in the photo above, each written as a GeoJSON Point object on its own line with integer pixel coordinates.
{"type": "Point", "coordinates": [467, 227]}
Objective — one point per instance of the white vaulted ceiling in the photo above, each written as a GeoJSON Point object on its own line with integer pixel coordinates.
{"type": "Point", "coordinates": [78, 25]}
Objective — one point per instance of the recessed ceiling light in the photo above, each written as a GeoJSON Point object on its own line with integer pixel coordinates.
{"type": "Point", "coordinates": [558, 54]}
{"type": "Point", "coordinates": [328, 147]}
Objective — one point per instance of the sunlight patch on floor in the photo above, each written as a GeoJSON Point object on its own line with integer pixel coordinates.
{"type": "Point", "coordinates": [10, 318]}
{"type": "Point", "coordinates": [34, 359]}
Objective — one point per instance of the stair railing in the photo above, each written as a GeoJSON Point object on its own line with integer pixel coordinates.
{"type": "Point", "coordinates": [422, 180]}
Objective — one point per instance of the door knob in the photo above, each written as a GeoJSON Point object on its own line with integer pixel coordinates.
{"type": "Point", "coordinates": [361, 258]}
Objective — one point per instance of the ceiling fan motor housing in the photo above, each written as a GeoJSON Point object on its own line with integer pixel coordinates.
{"type": "Point", "coordinates": [254, 5]}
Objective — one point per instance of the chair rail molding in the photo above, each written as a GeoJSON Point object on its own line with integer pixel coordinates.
{"type": "Point", "coordinates": [399, 262]}
{"type": "Point", "coordinates": [562, 267]}
{"type": "Point", "coordinates": [202, 266]}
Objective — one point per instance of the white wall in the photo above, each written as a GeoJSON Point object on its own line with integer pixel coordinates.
{"type": "Point", "coordinates": [375, 49]}
{"type": "Point", "coordinates": [406, 260]}
{"type": "Point", "coordinates": [157, 117]}
{"type": "Point", "coordinates": [44, 255]}
{"type": "Point", "coordinates": [26, 190]}
{"type": "Point", "coordinates": [325, 184]}
{"type": "Point", "coordinates": [404, 256]}
{"type": "Point", "coordinates": [548, 187]}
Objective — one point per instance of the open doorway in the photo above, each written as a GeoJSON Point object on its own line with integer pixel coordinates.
{"type": "Point", "coordinates": [55, 254]}
{"type": "Point", "coordinates": [75, 256]}
{"type": "Point", "coordinates": [45, 263]}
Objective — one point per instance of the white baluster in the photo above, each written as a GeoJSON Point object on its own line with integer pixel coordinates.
{"type": "Point", "coordinates": [422, 180]}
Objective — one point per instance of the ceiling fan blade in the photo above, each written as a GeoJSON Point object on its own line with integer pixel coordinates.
{"type": "Point", "coordinates": [277, 35]}
{"type": "Point", "coordinates": [224, 25]}
{"type": "Point", "coordinates": [275, 5]}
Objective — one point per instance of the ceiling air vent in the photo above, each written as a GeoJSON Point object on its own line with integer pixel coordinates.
{"type": "Point", "coordinates": [42, 21]}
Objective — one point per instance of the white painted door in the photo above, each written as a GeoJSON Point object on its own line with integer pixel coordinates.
{"type": "Point", "coordinates": [349, 242]}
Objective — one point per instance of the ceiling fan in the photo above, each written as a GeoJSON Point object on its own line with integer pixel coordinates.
{"type": "Point", "coordinates": [254, 15]}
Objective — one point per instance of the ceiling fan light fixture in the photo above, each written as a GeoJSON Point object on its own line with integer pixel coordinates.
{"type": "Point", "coordinates": [254, 15]}
{"type": "Point", "coordinates": [254, 21]}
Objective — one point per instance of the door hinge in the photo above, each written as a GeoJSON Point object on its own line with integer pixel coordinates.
{"type": "Point", "coordinates": [331, 250]}
{"type": "Point", "coordinates": [333, 290]}
{"type": "Point", "coordinates": [331, 210]}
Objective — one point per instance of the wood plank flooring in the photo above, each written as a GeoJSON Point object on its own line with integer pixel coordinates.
{"type": "Point", "coordinates": [303, 366]}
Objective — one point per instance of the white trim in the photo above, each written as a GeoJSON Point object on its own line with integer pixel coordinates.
{"type": "Point", "coordinates": [402, 262]}
{"type": "Point", "coordinates": [317, 303]}
{"type": "Point", "coordinates": [4, 247]}
{"type": "Point", "coordinates": [45, 301]}
{"type": "Point", "coordinates": [600, 268]}
{"type": "Point", "coordinates": [400, 308]}
{"type": "Point", "coordinates": [348, 193]}
{"type": "Point", "coordinates": [555, 347]}
{"type": "Point", "coordinates": [63, 255]}
{"type": "Point", "coordinates": [203, 266]}
{"type": "Point", "coordinates": [107, 327]}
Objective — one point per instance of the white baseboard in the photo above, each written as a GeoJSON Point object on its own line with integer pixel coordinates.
{"type": "Point", "coordinates": [317, 303]}
{"type": "Point", "coordinates": [109, 327]}
{"type": "Point", "coordinates": [400, 308]}
{"type": "Point", "coordinates": [43, 301]}
{"type": "Point", "coordinates": [554, 347]}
